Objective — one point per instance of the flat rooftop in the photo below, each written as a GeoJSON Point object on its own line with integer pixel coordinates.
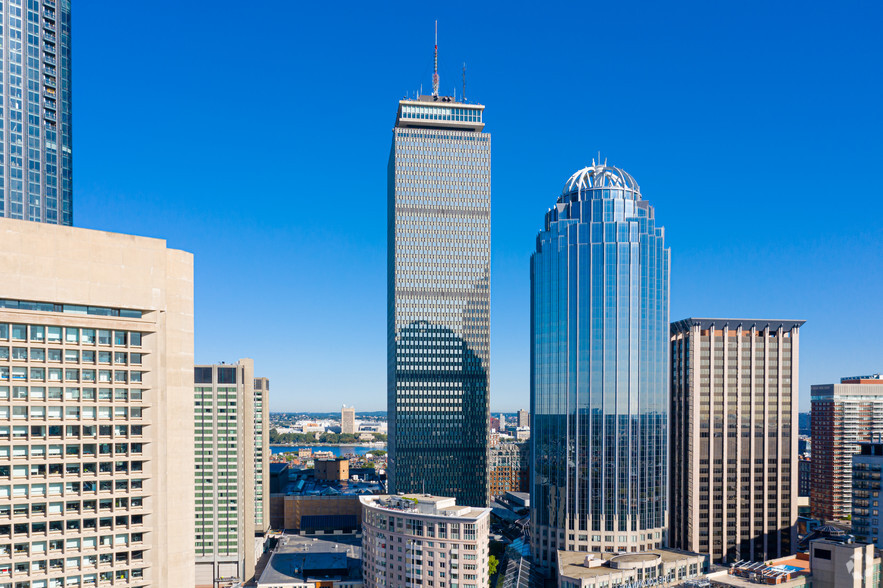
{"type": "Point", "coordinates": [304, 483]}
{"type": "Point", "coordinates": [570, 563]}
{"type": "Point", "coordinates": [308, 558]}
{"type": "Point", "coordinates": [424, 505]}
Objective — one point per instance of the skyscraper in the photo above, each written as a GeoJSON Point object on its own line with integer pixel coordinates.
{"type": "Point", "coordinates": [348, 420]}
{"type": "Point", "coordinates": [734, 437]}
{"type": "Point", "coordinates": [867, 466]}
{"type": "Point", "coordinates": [439, 215]}
{"type": "Point", "coordinates": [262, 454]}
{"type": "Point", "coordinates": [35, 170]}
{"type": "Point", "coordinates": [599, 370]}
{"type": "Point", "coordinates": [96, 412]}
{"type": "Point", "coordinates": [843, 415]}
{"type": "Point", "coordinates": [226, 486]}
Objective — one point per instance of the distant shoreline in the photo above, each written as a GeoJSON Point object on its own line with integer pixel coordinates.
{"type": "Point", "coordinates": [363, 444]}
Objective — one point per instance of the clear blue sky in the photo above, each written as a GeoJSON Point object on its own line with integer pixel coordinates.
{"type": "Point", "coordinates": [257, 137]}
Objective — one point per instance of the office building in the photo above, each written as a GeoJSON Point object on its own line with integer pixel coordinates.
{"type": "Point", "coordinates": [36, 177]}
{"type": "Point", "coordinates": [439, 235]}
{"type": "Point", "coordinates": [599, 371]}
{"type": "Point", "coordinates": [348, 420]}
{"type": "Point", "coordinates": [804, 476]}
{"type": "Point", "coordinates": [226, 487]}
{"type": "Point", "coordinates": [734, 437]}
{"type": "Point", "coordinates": [523, 418]}
{"type": "Point", "coordinates": [261, 454]}
{"type": "Point", "coordinates": [867, 466]}
{"type": "Point", "coordinates": [423, 539]}
{"type": "Point", "coordinates": [843, 415]}
{"type": "Point", "coordinates": [508, 468]}
{"type": "Point", "coordinates": [96, 374]}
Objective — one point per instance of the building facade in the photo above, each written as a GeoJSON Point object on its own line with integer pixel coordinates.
{"type": "Point", "coordinates": [419, 539]}
{"type": "Point", "coordinates": [509, 468]}
{"type": "Point", "coordinates": [348, 420]}
{"type": "Point", "coordinates": [734, 437]}
{"type": "Point", "coordinates": [523, 418]}
{"type": "Point", "coordinates": [867, 467]}
{"type": "Point", "coordinates": [35, 175]}
{"type": "Point", "coordinates": [262, 454]}
{"type": "Point", "coordinates": [439, 215]}
{"type": "Point", "coordinates": [226, 497]}
{"type": "Point", "coordinates": [96, 428]}
{"type": "Point", "coordinates": [843, 415]}
{"type": "Point", "coordinates": [599, 371]}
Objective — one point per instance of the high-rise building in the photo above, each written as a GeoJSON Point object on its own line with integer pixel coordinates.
{"type": "Point", "coordinates": [867, 467]}
{"type": "Point", "coordinates": [35, 177]}
{"type": "Point", "coordinates": [734, 437]}
{"type": "Point", "coordinates": [262, 454]}
{"type": "Point", "coordinates": [425, 539]}
{"type": "Point", "coordinates": [348, 420]}
{"type": "Point", "coordinates": [599, 371]}
{"type": "Point", "coordinates": [843, 415]}
{"type": "Point", "coordinates": [523, 418]}
{"type": "Point", "coordinates": [439, 221]}
{"type": "Point", "coordinates": [96, 372]}
{"type": "Point", "coordinates": [226, 485]}
{"type": "Point", "coordinates": [508, 468]}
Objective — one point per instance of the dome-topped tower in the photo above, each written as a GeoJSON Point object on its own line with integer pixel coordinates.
{"type": "Point", "coordinates": [598, 176]}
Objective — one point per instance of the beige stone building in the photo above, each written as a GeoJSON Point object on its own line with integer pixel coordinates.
{"type": "Point", "coordinates": [96, 416]}
{"type": "Point", "coordinates": [262, 454]}
{"type": "Point", "coordinates": [659, 567]}
{"type": "Point", "coordinates": [348, 420]}
{"type": "Point", "coordinates": [419, 539]}
{"type": "Point", "coordinates": [733, 446]}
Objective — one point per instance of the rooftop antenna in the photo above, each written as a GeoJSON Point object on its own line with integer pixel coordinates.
{"type": "Point", "coordinates": [464, 82]}
{"type": "Point", "coordinates": [435, 64]}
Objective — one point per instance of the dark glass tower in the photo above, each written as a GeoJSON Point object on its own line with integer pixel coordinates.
{"type": "Point", "coordinates": [599, 370]}
{"type": "Point", "coordinates": [439, 215]}
{"type": "Point", "coordinates": [35, 150]}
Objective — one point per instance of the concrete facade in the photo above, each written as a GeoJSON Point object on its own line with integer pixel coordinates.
{"type": "Point", "coordinates": [660, 567]}
{"type": "Point", "coordinates": [262, 454]}
{"type": "Point", "coordinates": [733, 413]}
{"type": "Point", "coordinates": [225, 473]}
{"type": "Point", "coordinates": [421, 539]}
{"type": "Point", "coordinates": [97, 396]}
{"type": "Point", "coordinates": [348, 420]}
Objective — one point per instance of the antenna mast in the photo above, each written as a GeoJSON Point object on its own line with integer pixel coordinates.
{"type": "Point", "coordinates": [464, 82]}
{"type": "Point", "coordinates": [435, 64]}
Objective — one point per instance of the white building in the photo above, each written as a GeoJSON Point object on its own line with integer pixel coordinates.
{"type": "Point", "coordinates": [421, 539]}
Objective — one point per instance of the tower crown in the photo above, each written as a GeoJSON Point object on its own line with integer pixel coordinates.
{"type": "Point", "coordinates": [600, 176]}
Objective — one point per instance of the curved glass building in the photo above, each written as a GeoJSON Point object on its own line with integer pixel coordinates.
{"type": "Point", "coordinates": [599, 370]}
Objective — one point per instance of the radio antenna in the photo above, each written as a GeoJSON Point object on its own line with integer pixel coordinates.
{"type": "Point", "coordinates": [464, 81]}
{"type": "Point", "coordinates": [435, 64]}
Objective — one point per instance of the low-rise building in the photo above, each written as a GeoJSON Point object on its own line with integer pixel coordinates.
{"type": "Point", "coordinates": [660, 567]}
{"type": "Point", "coordinates": [326, 561]}
{"type": "Point", "coordinates": [419, 539]}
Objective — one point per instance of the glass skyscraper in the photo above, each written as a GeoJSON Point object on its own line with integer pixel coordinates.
{"type": "Point", "coordinates": [599, 370]}
{"type": "Point", "coordinates": [439, 219]}
{"type": "Point", "coordinates": [35, 145]}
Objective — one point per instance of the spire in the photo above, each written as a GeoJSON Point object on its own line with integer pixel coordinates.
{"type": "Point", "coordinates": [435, 64]}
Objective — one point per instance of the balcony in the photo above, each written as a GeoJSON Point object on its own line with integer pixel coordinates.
{"type": "Point", "coordinates": [49, 4]}
{"type": "Point", "coordinates": [49, 60]}
{"type": "Point", "coordinates": [49, 115]}
{"type": "Point", "coordinates": [48, 26]}
{"type": "Point", "coordinates": [50, 14]}
{"type": "Point", "coordinates": [49, 92]}
{"type": "Point", "coordinates": [49, 81]}
{"type": "Point", "coordinates": [47, 48]}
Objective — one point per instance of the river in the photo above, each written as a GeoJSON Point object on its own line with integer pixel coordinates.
{"type": "Point", "coordinates": [336, 450]}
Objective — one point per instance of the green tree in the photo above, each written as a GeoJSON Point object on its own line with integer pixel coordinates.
{"type": "Point", "coordinates": [492, 563]}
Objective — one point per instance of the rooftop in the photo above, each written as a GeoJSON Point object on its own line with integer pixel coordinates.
{"type": "Point", "coordinates": [439, 112]}
{"type": "Point", "coordinates": [424, 504]}
{"type": "Point", "coordinates": [572, 563]}
{"type": "Point", "coordinates": [734, 323]}
{"type": "Point", "coordinates": [598, 176]}
{"type": "Point", "coordinates": [304, 483]}
{"type": "Point", "coordinates": [314, 558]}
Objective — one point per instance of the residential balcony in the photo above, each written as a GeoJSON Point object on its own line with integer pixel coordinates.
{"type": "Point", "coordinates": [49, 60]}
{"type": "Point", "coordinates": [47, 48]}
{"type": "Point", "coordinates": [48, 26]}
{"type": "Point", "coordinates": [50, 14]}
{"type": "Point", "coordinates": [49, 4]}
{"type": "Point", "coordinates": [49, 115]}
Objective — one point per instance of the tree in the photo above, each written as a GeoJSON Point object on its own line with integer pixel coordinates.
{"type": "Point", "coordinates": [492, 563]}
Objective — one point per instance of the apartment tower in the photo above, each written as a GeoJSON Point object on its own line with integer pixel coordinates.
{"type": "Point", "coordinates": [867, 467]}
{"type": "Point", "coordinates": [422, 539]}
{"type": "Point", "coordinates": [843, 415]}
{"type": "Point", "coordinates": [439, 219]}
{"type": "Point", "coordinates": [599, 371]}
{"type": "Point", "coordinates": [262, 455]}
{"type": "Point", "coordinates": [734, 438]}
{"type": "Point", "coordinates": [35, 167]}
{"type": "Point", "coordinates": [348, 420]}
{"type": "Point", "coordinates": [227, 492]}
{"type": "Point", "coordinates": [96, 426]}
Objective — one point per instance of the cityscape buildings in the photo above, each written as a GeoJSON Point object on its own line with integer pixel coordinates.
{"type": "Point", "coordinates": [867, 466]}
{"type": "Point", "coordinates": [96, 376]}
{"type": "Point", "coordinates": [227, 491]}
{"type": "Point", "coordinates": [599, 371]}
{"type": "Point", "coordinates": [423, 539]}
{"type": "Point", "coordinates": [35, 175]}
{"type": "Point", "coordinates": [261, 454]}
{"type": "Point", "coordinates": [348, 420]}
{"type": "Point", "coordinates": [523, 418]}
{"type": "Point", "coordinates": [508, 468]}
{"type": "Point", "coordinates": [734, 437]}
{"type": "Point", "coordinates": [439, 214]}
{"type": "Point", "coordinates": [843, 415]}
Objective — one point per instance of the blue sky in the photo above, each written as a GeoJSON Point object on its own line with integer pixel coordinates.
{"type": "Point", "coordinates": [257, 138]}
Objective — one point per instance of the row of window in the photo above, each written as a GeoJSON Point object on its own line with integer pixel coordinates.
{"type": "Point", "coordinates": [72, 335]}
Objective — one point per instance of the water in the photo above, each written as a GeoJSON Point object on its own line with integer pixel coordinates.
{"type": "Point", "coordinates": [336, 450]}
